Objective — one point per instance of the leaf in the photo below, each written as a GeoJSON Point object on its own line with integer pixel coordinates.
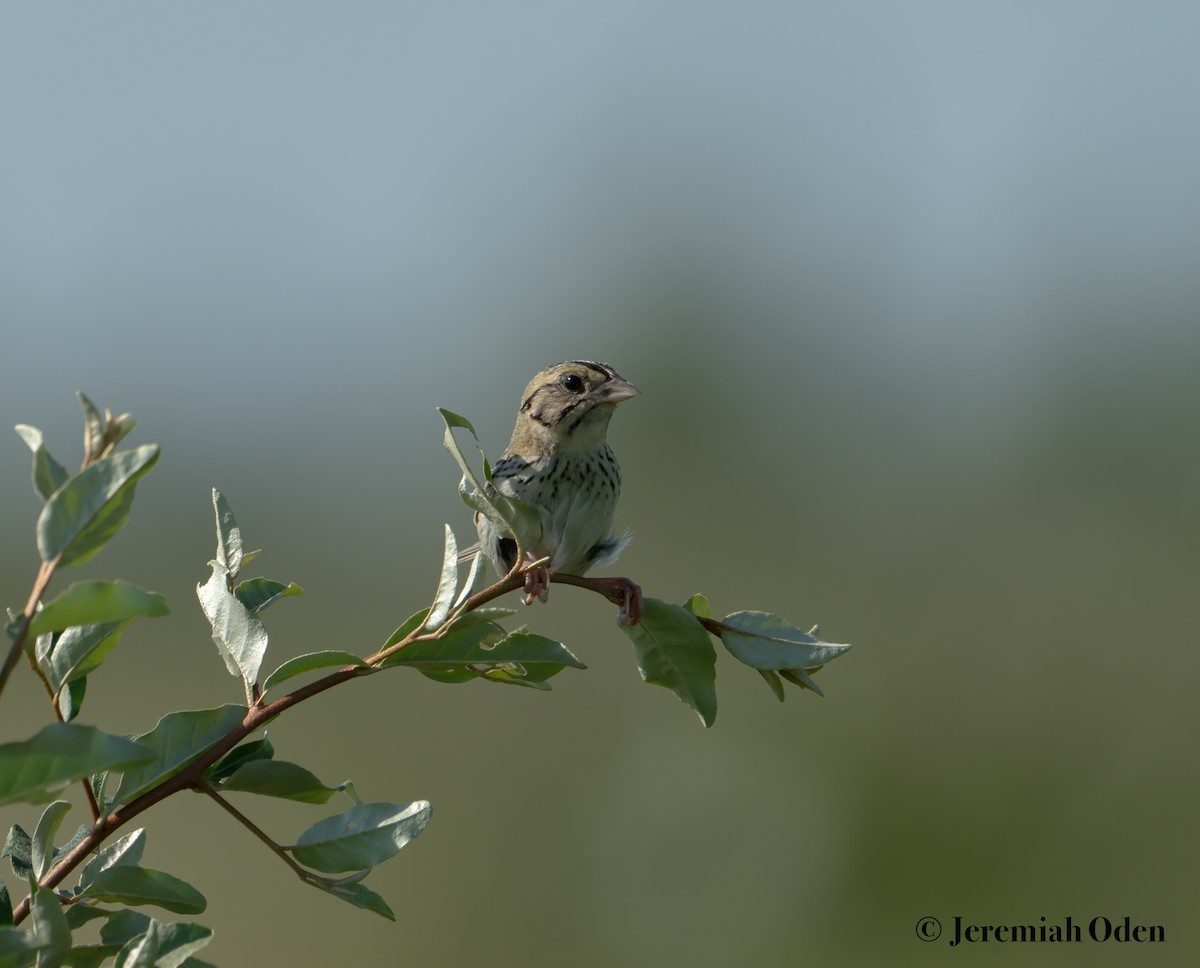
{"type": "Point", "coordinates": [178, 942]}
{"type": "Point", "coordinates": [361, 837]}
{"type": "Point", "coordinates": [407, 627]}
{"type": "Point", "coordinates": [177, 740]}
{"type": "Point", "coordinates": [78, 651]}
{"type": "Point", "coordinates": [278, 778]}
{"type": "Point", "coordinates": [42, 854]}
{"type": "Point", "coordinates": [229, 536]}
{"type": "Point", "coordinates": [122, 926]}
{"type": "Point", "coordinates": [771, 677]}
{"type": "Point", "coordinates": [93, 426]}
{"type": "Point", "coordinates": [509, 514]}
{"type": "Point", "coordinates": [17, 947]}
{"type": "Point", "coordinates": [698, 605]}
{"type": "Point", "coordinates": [48, 474]}
{"type": "Point", "coordinates": [259, 749]}
{"type": "Point", "coordinates": [49, 926]}
{"type": "Point", "coordinates": [308, 662]}
{"type": "Point", "coordinates": [31, 771]}
{"type": "Point", "coordinates": [237, 632]}
{"type": "Point", "coordinates": [479, 615]}
{"type": "Point", "coordinates": [141, 885]}
{"type": "Point", "coordinates": [80, 914]}
{"type": "Point", "coordinates": [70, 699]}
{"type": "Point", "coordinates": [357, 894]}
{"type": "Point", "coordinates": [140, 951]}
{"type": "Point", "coordinates": [447, 583]}
{"type": "Point", "coordinates": [93, 505]}
{"type": "Point", "coordinates": [96, 602]}
{"type": "Point", "coordinates": [124, 851]}
{"type": "Point", "coordinates": [259, 593]}
{"type": "Point", "coordinates": [18, 848]}
{"type": "Point", "coordinates": [801, 678]}
{"type": "Point", "coordinates": [87, 955]}
{"type": "Point", "coordinates": [673, 650]}
{"type": "Point", "coordinates": [483, 648]}
{"type": "Point", "coordinates": [766, 641]}
{"type": "Point", "coordinates": [468, 586]}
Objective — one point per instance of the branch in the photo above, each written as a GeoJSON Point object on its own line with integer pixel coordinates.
{"type": "Point", "coordinates": [205, 787]}
{"type": "Point", "coordinates": [45, 573]}
{"type": "Point", "coordinates": [258, 716]}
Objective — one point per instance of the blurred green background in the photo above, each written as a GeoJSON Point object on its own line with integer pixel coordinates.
{"type": "Point", "coordinates": [911, 293]}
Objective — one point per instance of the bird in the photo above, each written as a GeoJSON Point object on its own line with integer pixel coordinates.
{"type": "Point", "coordinates": [559, 462]}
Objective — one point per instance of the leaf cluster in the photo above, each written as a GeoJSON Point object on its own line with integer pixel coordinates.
{"type": "Point", "coordinates": [95, 874]}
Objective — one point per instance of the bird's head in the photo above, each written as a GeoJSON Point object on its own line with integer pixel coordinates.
{"type": "Point", "coordinates": [566, 407]}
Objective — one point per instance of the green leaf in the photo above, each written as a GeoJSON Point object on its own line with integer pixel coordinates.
{"type": "Point", "coordinates": [480, 615]}
{"type": "Point", "coordinates": [93, 426]}
{"type": "Point", "coordinates": [6, 911]}
{"type": "Point", "coordinates": [87, 955]}
{"type": "Point", "coordinates": [229, 536]}
{"type": "Point", "coordinates": [766, 641]}
{"type": "Point", "coordinates": [49, 926]}
{"type": "Point", "coordinates": [306, 663]}
{"type": "Point", "coordinates": [43, 836]}
{"type": "Point", "coordinates": [31, 771]}
{"type": "Point", "coordinates": [468, 586]}
{"type": "Point", "coordinates": [17, 947]}
{"type": "Point", "coordinates": [178, 942]}
{"type": "Point", "coordinates": [48, 474]}
{"type": "Point", "coordinates": [509, 514]}
{"type": "Point", "coordinates": [177, 740]}
{"type": "Point", "coordinates": [409, 625]}
{"type": "Point", "coordinates": [18, 848]}
{"type": "Point", "coordinates": [801, 678]}
{"type": "Point", "coordinates": [80, 914]}
{"type": "Point", "coordinates": [771, 677]}
{"type": "Point", "coordinates": [259, 593]}
{"type": "Point", "coordinates": [698, 605]}
{"type": "Point", "coordinates": [278, 778]}
{"type": "Point", "coordinates": [124, 851]}
{"type": "Point", "coordinates": [141, 885]}
{"type": "Point", "coordinates": [483, 649]}
{"type": "Point", "coordinates": [70, 699]}
{"type": "Point", "coordinates": [359, 895]}
{"type": "Point", "coordinates": [259, 749]}
{"type": "Point", "coordinates": [361, 837]}
{"type": "Point", "coordinates": [123, 925]}
{"type": "Point", "coordinates": [92, 506]}
{"type": "Point", "coordinates": [447, 583]}
{"type": "Point", "coordinates": [96, 602]}
{"type": "Point", "coordinates": [78, 651]}
{"type": "Point", "coordinates": [237, 632]}
{"type": "Point", "coordinates": [673, 650]}
{"type": "Point", "coordinates": [140, 952]}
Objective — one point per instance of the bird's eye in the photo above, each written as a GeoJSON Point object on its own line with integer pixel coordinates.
{"type": "Point", "coordinates": [572, 381]}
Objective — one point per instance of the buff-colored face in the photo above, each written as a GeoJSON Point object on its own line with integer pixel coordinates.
{"type": "Point", "coordinates": [568, 404]}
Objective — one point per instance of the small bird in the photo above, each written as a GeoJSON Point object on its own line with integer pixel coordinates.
{"type": "Point", "coordinates": [559, 462]}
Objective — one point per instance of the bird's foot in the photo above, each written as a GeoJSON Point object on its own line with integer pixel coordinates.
{"type": "Point", "coordinates": [627, 594]}
{"type": "Point", "coordinates": [537, 584]}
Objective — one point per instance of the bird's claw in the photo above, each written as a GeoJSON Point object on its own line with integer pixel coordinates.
{"type": "Point", "coordinates": [537, 584]}
{"type": "Point", "coordinates": [628, 595]}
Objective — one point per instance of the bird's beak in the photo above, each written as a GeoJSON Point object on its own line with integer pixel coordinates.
{"type": "Point", "coordinates": [616, 390]}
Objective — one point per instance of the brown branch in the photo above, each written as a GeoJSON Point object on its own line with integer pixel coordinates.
{"type": "Point", "coordinates": [205, 787]}
{"type": "Point", "coordinates": [45, 573]}
{"type": "Point", "coordinates": [258, 716]}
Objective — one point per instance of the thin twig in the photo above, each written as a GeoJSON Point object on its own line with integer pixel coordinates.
{"type": "Point", "coordinates": [45, 573]}
{"type": "Point", "coordinates": [205, 787]}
